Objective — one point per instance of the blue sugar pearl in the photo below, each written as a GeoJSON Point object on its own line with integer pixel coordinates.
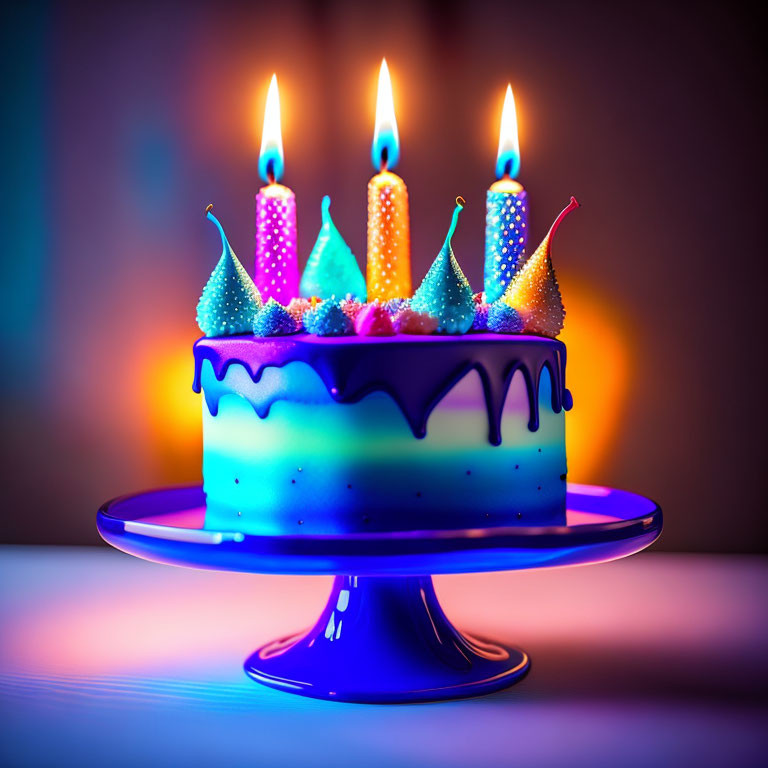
{"type": "Point", "coordinates": [273, 320]}
{"type": "Point", "coordinates": [504, 319]}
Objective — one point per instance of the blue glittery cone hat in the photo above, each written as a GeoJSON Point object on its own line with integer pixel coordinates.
{"type": "Point", "coordinates": [230, 300]}
{"type": "Point", "coordinates": [332, 270]}
{"type": "Point", "coordinates": [445, 293]}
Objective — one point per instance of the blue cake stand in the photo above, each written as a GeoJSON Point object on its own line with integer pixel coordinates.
{"type": "Point", "coordinates": [382, 637]}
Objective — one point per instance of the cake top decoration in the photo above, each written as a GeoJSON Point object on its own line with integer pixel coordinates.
{"type": "Point", "coordinates": [480, 320]}
{"type": "Point", "coordinates": [332, 270]}
{"type": "Point", "coordinates": [296, 309]}
{"type": "Point", "coordinates": [393, 306]}
{"type": "Point", "coordinates": [417, 323]}
{"type": "Point", "coordinates": [327, 319]}
{"type": "Point", "coordinates": [273, 319]}
{"type": "Point", "coordinates": [374, 320]}
{"type": "Point", "coordinates": [534, 291]}
{"type": "Point", "coordinates": [230, 300]}
{"type": "Point", "coordinates": [445, 292]}
{"type": "Point", "coordinates": [351, 308]}
{"type": "Point", "coordinates": [501, 318]}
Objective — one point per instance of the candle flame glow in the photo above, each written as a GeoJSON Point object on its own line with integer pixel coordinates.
{"type": "Point", "coordinates": [508, 157]}
{"type": "Point", "coordinates": [271, 159]}
{"type": "Point", "coordinates": [385, 150]}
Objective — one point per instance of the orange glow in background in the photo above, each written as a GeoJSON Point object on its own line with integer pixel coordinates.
{"type": "Point", "coordinates": [597, 374]}
{"type": "Point", "coordinates": [174, 431]}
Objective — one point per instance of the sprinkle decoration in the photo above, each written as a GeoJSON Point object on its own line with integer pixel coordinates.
{"type": "Point", "coordinates": [351, 308]}
{"type": "Point", "coordinates": [393, 306]}
{"type": "Point", "coordinates": [327, 319]}
{"type": "Point", "coordinates": [480, 321]}
{"type": "Point", "coordinates": [273, 319]}
{"type": "Point", "coordinates": [229, 302]}
{"type": "Point", "coordinates": [296, 309]}
{"type": "Point", "coordinates": [445, 292]}
{"type": "Point", "coordinates": [502, 318]}
{"type": "Point", "coordinates": [534, 292]}
{"type": "Point", "coordinates": [332, 270]}
{"type": "Point", "coordinates": [374, 320]}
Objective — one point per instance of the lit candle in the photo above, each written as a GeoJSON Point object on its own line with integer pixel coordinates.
{"type": "Point", "coordinates": [277, 269]}
{"type": "Point", "coordinates": [389, 232]}
{"type": "Point", "coordinates": [506, 222]}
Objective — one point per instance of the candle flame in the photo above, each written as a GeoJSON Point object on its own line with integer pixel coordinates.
{"type": "Point", "coordinates": [508, 157]}
{"type": "Point", "coordinates": [271, 159]}
{"type": "Point", "coordinates": [385, 150]}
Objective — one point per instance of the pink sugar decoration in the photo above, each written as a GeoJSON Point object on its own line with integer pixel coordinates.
{"type": "Point", "coordinates": [373, 320]}
{"type": "Point", "coordinates": [408, 321]}
{"type": "Point", "coordinates": [296, 309]}
{"type": "Point", "coordinates": [350, 308]}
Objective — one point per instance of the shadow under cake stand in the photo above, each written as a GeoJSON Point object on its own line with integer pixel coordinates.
{"type": "Point", "coordinates": [382, 636]}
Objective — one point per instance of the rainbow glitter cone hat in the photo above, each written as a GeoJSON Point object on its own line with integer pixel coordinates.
{"type": "Point", "coordinates": [534, 291]}
{"type": "Point", "coordinates": [230, 301]}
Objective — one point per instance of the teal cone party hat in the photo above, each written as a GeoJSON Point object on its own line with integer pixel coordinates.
{"type": "Point", "coordinates": [230, 300]}
{"type": "Point", "coordinates": [445, 293]}
{"type": "Point", "coordinates": [332, 269]}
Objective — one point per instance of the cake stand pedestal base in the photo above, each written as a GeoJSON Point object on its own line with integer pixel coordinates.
{"type": "Point", "coordinates": [385, 639]}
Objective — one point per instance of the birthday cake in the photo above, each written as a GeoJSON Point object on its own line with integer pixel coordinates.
{"type": "Point", "coordinates": [342, 412]}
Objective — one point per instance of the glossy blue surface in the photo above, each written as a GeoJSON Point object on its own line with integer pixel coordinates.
{"type": "Point", "coordinates": [382, 637]}
{"type": "Point", "coordinates": [166, 526]}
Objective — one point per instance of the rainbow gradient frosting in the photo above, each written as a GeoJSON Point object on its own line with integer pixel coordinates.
{"type": "Point", "coordinates": [323, 435]}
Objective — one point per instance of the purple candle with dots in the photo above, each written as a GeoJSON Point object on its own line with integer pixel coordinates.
{"type": "Point", "coordinates": [276, 273]}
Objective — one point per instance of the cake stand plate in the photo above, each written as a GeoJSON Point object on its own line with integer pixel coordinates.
{"type": "Point", "coordinates": [382, 637]}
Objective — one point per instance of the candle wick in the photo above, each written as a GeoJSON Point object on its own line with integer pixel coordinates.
{"type": "Point", "coordinates": [271, 171]}
{"type": "Point", "coordinates": [384, 159]}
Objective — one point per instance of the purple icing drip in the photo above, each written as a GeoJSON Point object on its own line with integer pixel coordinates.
{"type": "Point", "coordinates": [416, 371]}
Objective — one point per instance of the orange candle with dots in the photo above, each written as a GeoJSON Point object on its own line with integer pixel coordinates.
{"type": "Point", "coordinates": [389, 229]}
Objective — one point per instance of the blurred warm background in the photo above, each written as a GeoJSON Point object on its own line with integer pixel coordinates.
{"type": "Point", "coordinates": [121, 121]}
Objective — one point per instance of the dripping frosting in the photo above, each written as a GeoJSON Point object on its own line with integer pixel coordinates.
{"type": "Point", "coordinates": [353, 367]}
